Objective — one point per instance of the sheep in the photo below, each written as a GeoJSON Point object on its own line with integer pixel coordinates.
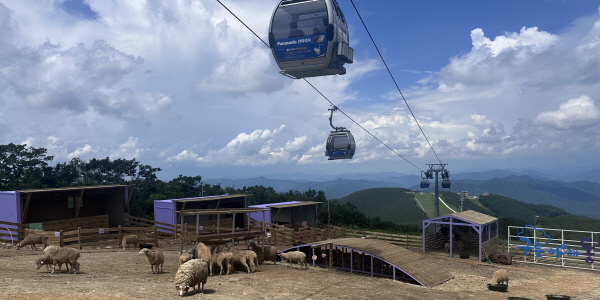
{"type": "Point", "coordinates": [155, 258]}
{"type": "Point", "coordinates": [447, 247]}
{"type": "Point", "coordinates": [52, 250]}
{"type": "Point", "coordinates": [203, 252]}
{"type": "Point", "coordinates": [294, 257]}
{"type": "Point", "coordinates": [185, 257]}
{"type": "Point", "coordinates": [247, 258]}
{"type": "Point", "coordinates": [65, 255]}
{"type": "Point", "coordinates": [500, 276]}
{"type": "Point", "coordinates": [32, 239]}
{"type": "Point", "coordinates": [191, 274]}
{"type": "Point", "coordinates": [270, 252]}
{"type": "Point", "coordinates": [129, 239]}
{"type": "Point", "coordinates": [459, 245]}
{"type": "Point", "coordinates": [219, 259]}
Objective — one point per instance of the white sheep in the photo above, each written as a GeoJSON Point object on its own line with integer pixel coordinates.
{"type": "Point", "coordinates": [221, 259]}
{"type": "Point", "coordinates": [58, 256]}
{"type": "Point", "coordinates": [500, 276]}
{"type": "Point", "coordinates": [270, 252]}
{"type": "Point", "coordinates": [32, 239]}
{"type": "Point", "coordinates": [294, 257]}
{"type": "Point", "coordinates": [191, 274]}
{"type": "Point", "coordinates": [155, 258]}
{"type": "Point", "coordinates": [128, 240]}
{"type": "Point", "coordinates": [184, 257]}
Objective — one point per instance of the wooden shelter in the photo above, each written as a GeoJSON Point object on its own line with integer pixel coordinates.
{"type": "Point", "coordinates": [293, 213]}
{"type": "Point", "coordinates": [41, 206]}
{"type": "Point", "coordinates": [375, 258]}
{"type": "Point", "coordinates": [482, 224]}
{"type": "Point", "coordinates": [221, 233]}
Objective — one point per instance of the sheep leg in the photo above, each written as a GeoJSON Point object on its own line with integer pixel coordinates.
{"type": "Point", "coordinates": [220, 268]}
{"type": "Point", "coordinates": [246, 265]}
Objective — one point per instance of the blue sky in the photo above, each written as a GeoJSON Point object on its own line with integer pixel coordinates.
{"type": "Point", "coordinates": [181, 85]}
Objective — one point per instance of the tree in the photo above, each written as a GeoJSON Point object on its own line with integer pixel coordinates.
{"type": "Point", "coordinates": [22, 167]}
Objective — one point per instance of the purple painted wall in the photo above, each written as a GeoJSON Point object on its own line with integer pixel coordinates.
{"type": "Point", "coordinates": [258, 216]}
{"type": "Point", "coordinates": [164, 211]}
{"type": "Point", "coordinates": [10, 212]}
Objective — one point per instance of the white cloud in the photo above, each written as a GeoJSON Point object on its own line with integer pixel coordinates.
{"type": "Point", "coordinates": [576, 113]}
{"type": "Point", "coordinates": [80, 152]}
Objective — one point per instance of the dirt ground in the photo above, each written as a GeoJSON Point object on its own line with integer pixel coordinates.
{"type": "Point", "coordinates": [117, 274]}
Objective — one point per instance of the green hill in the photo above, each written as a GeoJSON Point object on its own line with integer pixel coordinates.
{"type": "Point", "coordinates": [402, 207]}
{"type": "Point", "coordinates": [390, 204]}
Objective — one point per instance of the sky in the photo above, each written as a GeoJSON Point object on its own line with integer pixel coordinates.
{"type": "Point", "coordinates": [184, 86]}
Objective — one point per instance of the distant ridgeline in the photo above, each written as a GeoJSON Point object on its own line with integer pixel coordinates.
{"type": "Point", "coordinates": [402, 206]}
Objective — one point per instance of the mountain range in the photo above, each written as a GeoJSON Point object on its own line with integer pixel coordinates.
{"type": "Point", "coordinates": [565, 191]}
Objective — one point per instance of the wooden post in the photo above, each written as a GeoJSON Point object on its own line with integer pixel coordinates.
{"type": "Point", "coordinates": [60, 239]}
{"type": "Point", "coordinates": [79, 237]}
{"type": "Point", "coordinates": [331, 256]}
{"type": "Point", "coordinates": [155, 237]}
{"type": "Point", "coordinates": [120, 236]}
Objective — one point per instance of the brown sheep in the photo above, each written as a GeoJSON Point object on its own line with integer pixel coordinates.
{"type": "Point", "coordinates": [32, 239]}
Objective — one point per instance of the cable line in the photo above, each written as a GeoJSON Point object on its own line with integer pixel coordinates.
{"type": "Point", "coordinates": [394, 151]}
{"type": "Point", "coordinates": [394, 80]}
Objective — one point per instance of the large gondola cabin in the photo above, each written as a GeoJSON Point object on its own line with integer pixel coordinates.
{"type": "Point", "coordinates": [309, 38]}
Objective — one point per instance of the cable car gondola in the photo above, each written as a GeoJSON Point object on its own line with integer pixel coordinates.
{"type": "Point", "coordinates": [340, 143]}
{"type": "Point", "coordinates": [446, 179]}
{"type": "Point", "coordinates": [309, 38]}
{"type": "Point", "coordinates": [424, 182]}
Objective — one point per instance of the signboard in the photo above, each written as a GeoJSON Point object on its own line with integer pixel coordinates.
{"type": "Point", "coordinates": [35, 226]}
{"type": "Point", "coordinates": [303, 47]}
{"type": "Point", "coordinates": [565, 248]}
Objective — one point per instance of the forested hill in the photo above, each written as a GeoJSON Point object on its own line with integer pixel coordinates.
{"type": "Point", "coordinates": [401, 206]}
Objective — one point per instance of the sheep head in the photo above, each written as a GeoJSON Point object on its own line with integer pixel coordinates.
{"type": "Point", "coordinates": [43, 260]}
{"type": "Point", "coordinates": [144, 251]}
{"type": "Point", "coordinates": [182, 288]}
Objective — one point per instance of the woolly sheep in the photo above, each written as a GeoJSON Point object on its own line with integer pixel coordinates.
{"type": "Point", "coordinates": [500, 276]}
{"type": "Point", "coordinates": [155, 258]}
{"type": "Point", "coordinates": [247, 258]}
{"type": "Point", "coordinates": [191, 274]}
{"type": "Point", "coordinates": [220, 259]}
{"type": "Point", "coordinates": [128, 240]}
{"type": "Point", "coordinates": [294, 257]}
{"type": "Point", "coordinates": [185, 257]}
{"type": "Point", "coordinates": [270, 252]}
{"type": "Point", "coordinates": [58, 256]}
{"type": "Point", "coordinates": [203, 252]}
{"type": "Point", "coordinates": [32, 239]}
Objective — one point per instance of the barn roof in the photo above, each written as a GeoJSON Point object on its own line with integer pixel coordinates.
{"type": "Point", "coordinates": [75, 188]}
{"type": "Point", "coordinates": [287, 204]}
{"type": "Point", "coordinates": [207, 198]}
{"type": "Point", "coordinates": [469, 216]}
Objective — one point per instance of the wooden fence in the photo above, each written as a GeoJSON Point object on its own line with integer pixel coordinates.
{"type": "Point", "coordinates": [11, 232]}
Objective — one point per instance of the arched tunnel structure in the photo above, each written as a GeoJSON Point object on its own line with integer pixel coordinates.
{"type": "Point", "coordinates": [375, 258]}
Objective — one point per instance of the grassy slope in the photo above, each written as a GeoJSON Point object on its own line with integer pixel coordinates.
{"type": "Point", "coordinates": [399, 206]}
{"type": "Point", "coordinates": [390, 204]}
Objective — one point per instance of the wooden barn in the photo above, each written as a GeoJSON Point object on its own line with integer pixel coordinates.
{"type": "Point", "coordinates": [292, 214]}
{"type": "Point", "coordinates": [67, 208]}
